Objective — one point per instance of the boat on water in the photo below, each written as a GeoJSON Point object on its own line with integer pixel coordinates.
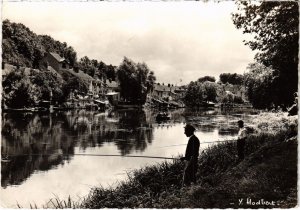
{"type": "Point", "coordinates": [162, 116]}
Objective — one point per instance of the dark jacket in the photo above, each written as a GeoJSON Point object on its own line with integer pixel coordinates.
{"type": "Point", "coordinates": [192, 149]}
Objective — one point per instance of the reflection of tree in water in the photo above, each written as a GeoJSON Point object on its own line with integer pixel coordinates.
{"type": "Point", "coordinates": [127, 129]}
{"type": "Point", "coordinates": [37, 142]}
{"type": "Point", "coordinates": [31, 142]}
{"type": "Point", "coordinates": [133, 133]}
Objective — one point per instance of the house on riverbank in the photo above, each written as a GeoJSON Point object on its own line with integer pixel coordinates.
{"type": "Point", "coordinates": [100, 94]}
{"type": "Point", "coordinates": [54, 61]}
{"type": "Point", "coordinates": [167, 95]}
{"type": "Point", "coordinates": [112, 91]}
{"type": "Point", "coordinates": [167, 92]}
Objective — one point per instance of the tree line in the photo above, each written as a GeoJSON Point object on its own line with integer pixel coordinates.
{"type": "Point", "coordinates": [23, 48]}
{"type": "Point", "coordinates": [206, 89]}
{"type": "Point", "coordinates": [270, 81]}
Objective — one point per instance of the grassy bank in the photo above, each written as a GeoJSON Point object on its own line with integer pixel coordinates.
{"type": "Point", "coordinates": [269, 172]}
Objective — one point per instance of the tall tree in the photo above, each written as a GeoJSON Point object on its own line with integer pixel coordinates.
{"type": "Point", "coordinates": [274, 26]}
{"type": "Point", "coordinates": [18, 91]}
{"type": "Point", "coordinates": [207, 78]}
{"type": "Point", "coordinates": [136, 80]}
{"type": "Point", "coordinates": [234, 79]}
{"type": "Point", "coordinates": [199, 92]}
{"type": "Point", "coordinates": [260, 86]}
{"type": "Point", "coordinates": [110, 72]}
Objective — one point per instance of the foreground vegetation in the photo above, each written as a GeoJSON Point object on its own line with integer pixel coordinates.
{"type": "Point", "coordinates": [269, 172]}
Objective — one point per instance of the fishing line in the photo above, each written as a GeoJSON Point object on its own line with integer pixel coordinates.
{"type": "Point", "coordinates": [107, 155]}
{"type": "Point", "coordinates": [97, 155]}
{"type": "Point", "coordinates": [206, 142]}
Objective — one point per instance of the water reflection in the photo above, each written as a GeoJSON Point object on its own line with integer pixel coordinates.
{"type": "Point", "coordinates": [32, 142]}
{"type": "Point", "coordinates": [47, 144]}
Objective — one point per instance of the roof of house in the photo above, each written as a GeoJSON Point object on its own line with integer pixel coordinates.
{"type": "Point", "coordinates": [57, 57]}
{"type": "Point", "coordinates": [164, 88]}
{"type": "Point", "coordinates": [178, 88]}
{"type": "Point", "coordinates": [161, 88]}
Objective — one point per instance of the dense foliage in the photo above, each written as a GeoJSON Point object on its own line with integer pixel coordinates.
{"type": "Point", "coordinates": [22, 47]}
{"type": "Point", "coordinates": [207, 78]}
{"type": "Point", "coordinates": [234, 79]}
{"type": "Point", "coordinates": [260, 85]}
{"type": "Point", "coordinates": [136, 80]}
{"type": "Point", "coordinates": [73, 84]}
{"type": "Point", "coordinates": [274, 26]}
{"type": "Point", "coordinates": [26, 89]}
{"type": "Point", "coordinates": [200, 92]}
{"type": "Point", "coordinates": [97, 69]}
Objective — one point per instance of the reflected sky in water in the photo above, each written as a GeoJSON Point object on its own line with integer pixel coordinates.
{"type": "Point", "coordinates": [40, 149]}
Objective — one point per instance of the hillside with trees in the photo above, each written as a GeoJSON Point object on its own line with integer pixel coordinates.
{"type": "Point", "coordinates": [26, 83]}
{"type": "Point", "coordinates": [22, 47]}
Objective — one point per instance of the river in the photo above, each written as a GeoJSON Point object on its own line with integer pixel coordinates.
{"type": "Point", "coordinates": [39, 150]}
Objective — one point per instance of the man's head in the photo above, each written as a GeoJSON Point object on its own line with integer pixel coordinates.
{"type": "Point", "coordinates": [241, 123]}
{"type": "Point", "coordinates": [189, 130]}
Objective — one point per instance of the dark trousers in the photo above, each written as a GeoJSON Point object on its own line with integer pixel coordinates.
{"type": "Point", "coordinates": [241, 148]}
{"type": "Point", "coordinates": [190, 170]}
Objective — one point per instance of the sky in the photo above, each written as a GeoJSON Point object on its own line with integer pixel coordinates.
{"type": "Point", "coordinates": [179, 41]}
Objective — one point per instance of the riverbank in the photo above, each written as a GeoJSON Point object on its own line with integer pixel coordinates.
{"type": "Point", "coordinates": [266, 178]}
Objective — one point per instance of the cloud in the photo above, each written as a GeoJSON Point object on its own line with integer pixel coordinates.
{"type": "Point", "coordinates": [178, 40]}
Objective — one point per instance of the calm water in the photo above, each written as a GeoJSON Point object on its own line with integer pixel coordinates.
{"type": "Point", "coordinates": [27, 178]}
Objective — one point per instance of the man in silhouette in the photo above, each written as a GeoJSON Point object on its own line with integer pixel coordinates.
{"type": "Point", "coordinates": [191, 156]}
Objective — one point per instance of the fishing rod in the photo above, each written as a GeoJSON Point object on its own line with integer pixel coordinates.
{"type": "Point", "coordinates": [206, 142]}
{"type": "Point", "coordinates": [100, 155]}
{"type": "Point", "coordinates": [133, 156]}
{"type": "Point", "coordinates": [108, 155]}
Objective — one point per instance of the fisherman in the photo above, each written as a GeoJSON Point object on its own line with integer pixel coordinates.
{"type": "Point", "coordinates": [191, 156]}
{"type": "Point", "coordinates": [242, 135]}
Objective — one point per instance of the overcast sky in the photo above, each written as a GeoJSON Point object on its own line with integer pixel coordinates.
{"type": "Point", "coordinates": [177, 40]}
